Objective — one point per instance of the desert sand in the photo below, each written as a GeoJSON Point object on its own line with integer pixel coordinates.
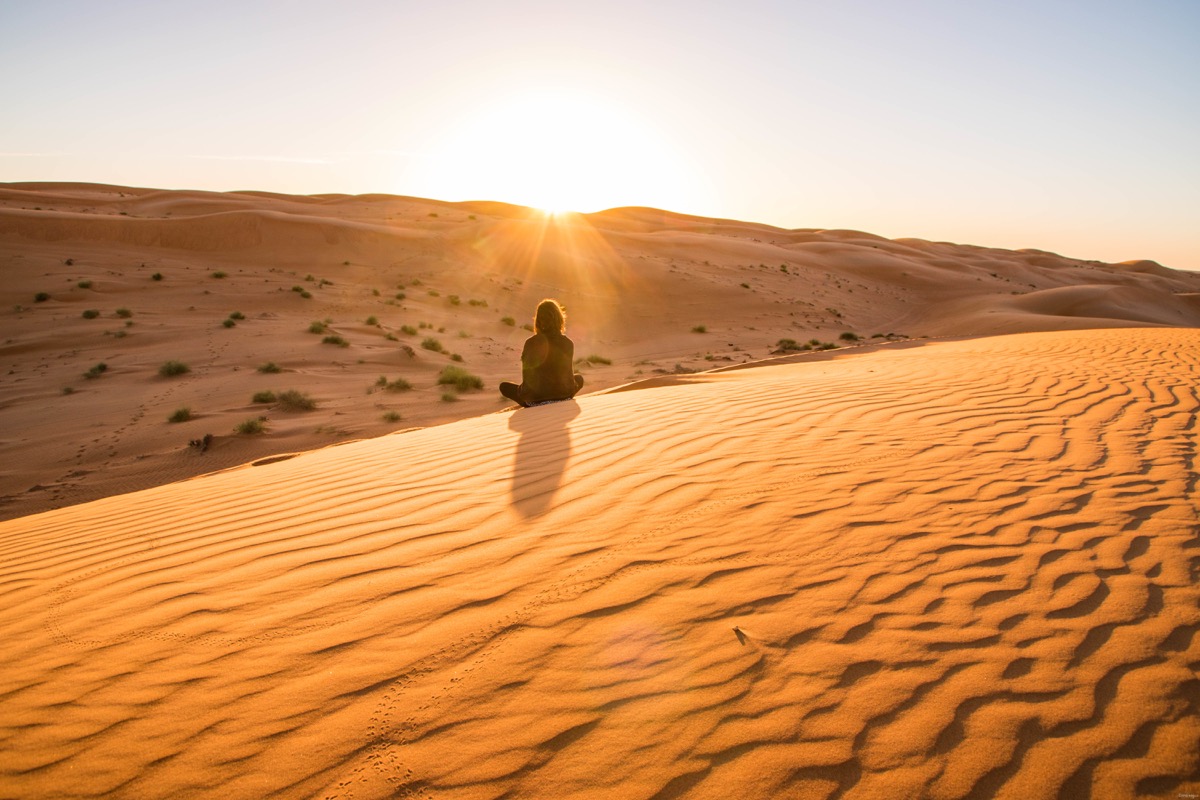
{"type": "Point", "coordinates": [956, 562]}
{"type": "Point", "coordinates": [890, 574]}
{"type": "Point", "coordinates": [637, 283]}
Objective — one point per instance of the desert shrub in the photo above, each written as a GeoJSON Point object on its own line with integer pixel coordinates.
{"type": "Point", "coordinates": [316, 326]}
{"type": "Point", "coordinates": [508, 321]}
{"type": "Point", "coordinates": [792, 344]}
{"type": "Point", "coordinates": [172, 368]}
{"type": "Point", "coordinates": [156, 276]}
{"type": "Point", "coordinates": [220, 274]}
{"type": "Point", "coordinates": [181, 414]}
{"type": "Point", "coordinates": [270, 368]}
{"type": "Point", "coordinates": [478, 303]}
{"type": "Point", "coordinates": [814, 342]}
{"type": "Point", "coordinates": [455, 357]}
{"type": "Point", "coordinates": [68, 390]}
{"type": "Point", "coordinates": [306, 295]}
{"type": "Point", "coordinates": [124, 313]}
{"type": "Point", "coordinates": [408, 329]}
{"type": "Point", "coordinates": [293, 400]}
{"type": "Point", "coordinates": [400, 295]}
{"type": "Point", "coordinates": [433, 344]}
{"type": "Point", "coordinates": [324, 282]}
{"type": "Point", "coordinates": [595, 359]}
{"type": "Point", "coordinates": [41, 297]}
{"type": "Point", "coordinates": [849, 336]}
{"type": "Point", "coordinates": [449, 397]}
{"type": "Point", "coordinates": [70, 262]}
{"type": "Point", "coordinates": [372, 320]}
{"type": "Point", "coordinates": [432, 214]}
{"type": "Point", "coordinates": [96, 371]}
{"type": "Point", "coordinates": [700, 329]}
{"type": "Point", "coordinates": [392, 416]}
{"type": "Point", "coordinates": [434, 293]}
{"type": "Point", "coordinates": [527, 326]}
{"type": "Point", "coordinates": [454, 300]}
{"type": "Point", "coordinates": [745, 286]}
{"type": "Point", "coordinates": [228, 323]}
{"type": "Point", "coordinates": [298, 289]}
{"type": "Point", "coordinates": [398, 385]}
{"type": "Point", "coordinates": [391, 337]}
{"type": "Point", "coordinates": [459, 378]}
{"type": "Point", "coordinates": [263, 397]}
{"type": "Point", "coordinates": [335, 339]}
{"type": "Point", "coordinates": [251, 427]}
{"type": "Point", "coordinates": [91, 313]}
{"type": "Point", "coordinates": [375, 292]}
{"type": "Point", "coordinates": [827, 346]}
{"type": "Point", "coordinates": [423, 325]}
{"type": "Point", "coordinates": [84, 284]}
{"type": "Point", "coordinates": [237, 315]}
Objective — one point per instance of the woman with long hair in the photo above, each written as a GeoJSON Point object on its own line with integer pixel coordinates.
{"type": "Point", "coordinates": [546, 361]}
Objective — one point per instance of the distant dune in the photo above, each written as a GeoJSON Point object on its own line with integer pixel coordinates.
{"type": "Point", "coordinates": [958, 569]}
{"type": "Point", "coordinates": [639, 284]}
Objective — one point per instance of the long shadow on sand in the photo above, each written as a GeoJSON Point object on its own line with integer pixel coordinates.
{"type": "Point", "coordinates": [542, 454]}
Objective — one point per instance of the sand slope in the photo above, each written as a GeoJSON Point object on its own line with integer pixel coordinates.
{"type": "Point", "coordinates": [962, 570]}
{"type": "Point", "coordinates": [648, 293]}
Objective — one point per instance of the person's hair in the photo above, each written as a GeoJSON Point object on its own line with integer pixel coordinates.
{"type": "Point", "coordinates": [550, 317]}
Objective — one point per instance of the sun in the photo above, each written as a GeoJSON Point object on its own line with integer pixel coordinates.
{"type": "Point", "coordinates": [555, 150]}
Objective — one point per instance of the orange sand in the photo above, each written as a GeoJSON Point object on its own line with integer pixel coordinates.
{"type": "Point", "coordinates": [962, 570]}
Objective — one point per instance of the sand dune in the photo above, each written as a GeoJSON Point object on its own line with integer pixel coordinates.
{"type": "Point", "coordinates": [649, 293]}
{"type": "Point", "coordinates": [892, 574]}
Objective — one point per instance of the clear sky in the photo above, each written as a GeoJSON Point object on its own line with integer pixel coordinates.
{"type": "Point", "coordinates": [1065, 126]}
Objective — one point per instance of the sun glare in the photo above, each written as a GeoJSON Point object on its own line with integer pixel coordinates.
{"type": "Point", "coordinates": [558, 151]}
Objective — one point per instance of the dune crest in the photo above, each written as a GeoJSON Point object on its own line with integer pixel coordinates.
{"type": "Point", "coordinates": [899, 574]}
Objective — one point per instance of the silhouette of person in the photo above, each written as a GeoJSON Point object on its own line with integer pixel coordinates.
{"type": "Point", "coordinates": [546, 361]}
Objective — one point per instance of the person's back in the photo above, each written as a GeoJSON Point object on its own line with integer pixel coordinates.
{"type": "Point", "coordinates": [546, 367]}
{"type": "Point", "coordinates": [547, 361]}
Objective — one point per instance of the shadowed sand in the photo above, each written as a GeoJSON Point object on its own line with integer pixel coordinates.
{"type": "Point", "coordinates": [963, 570]}
{"type": "Point", "coordinates": [652, 292]}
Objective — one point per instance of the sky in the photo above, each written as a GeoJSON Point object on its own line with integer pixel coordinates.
{"type": "Point", "coordinates": [1051, 124]}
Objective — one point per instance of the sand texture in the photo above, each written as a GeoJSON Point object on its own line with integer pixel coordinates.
{"type": "Point", "coordinates": [965, 569]}
{"type": "Point", "coordinates": [648, 294]}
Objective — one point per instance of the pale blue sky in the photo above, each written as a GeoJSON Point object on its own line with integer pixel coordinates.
{"type": "Point", "coordinates": [1067, 126]}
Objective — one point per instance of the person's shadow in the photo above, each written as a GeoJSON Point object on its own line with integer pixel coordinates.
{"type": "Point", "coordinates": [542, 454]}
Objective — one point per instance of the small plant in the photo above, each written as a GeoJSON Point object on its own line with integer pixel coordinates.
{"type": "Point", "coordinates": [455, 357]}
{"type": "Point", "coordinates": [783, 267]}
{"type": "Point", "coordinates": [455, 300]}
{"type": "Point", "coordinates": [335, 339]}
{"type": "Point", "coordinates": [745, 286]}
{"type": "Point", "coordinates": [96, 371]}
{"type": "Point", "coordinates": [827, 346]}
{"type": "Point", "coordinates": [391, 337]}
{"type": "Point", "coordinates": [433, 344]}
{"type": "Point", "coordinates": [124, 313]}
{"type": "Point", "coordinates": [700, 329]}
{"type": "Point", "coordinates": [432, 214]}
{"type": "Point", "coordinates": [398, 385]}
{"type": "Point", "coordinates": [408, 329]}
{"type": "Point", "coordinates": [434, 293]}
{"type": "Point", "coordinates": [595, 359]}
{"type": "Point", "coordinates": [527, 327]}
{"type": "Point", "coordinates": [849, 336]}
{"type": "Point", "coordinates": [270, 368]}
{"type": "Point", "coordinates": [459, 378]}
{"type": "Point", "coordinates": [478, 303]}
{"type": "Point", "coordinates": [84, 284]}
{"type": "Point", "coordinates": [70, 262]}
{"type": "Point", "coordinates": [237, 315]}
{"type": "Point", "coordinates": [91, 313]}
{"type": "Point", "coordinates": [392, 416]}
{"type": "Point", "coordinates": [263, 397]}
{"type": "Point", "coordinates": [400, 295]}
{"type": "Point", "coordinates": [306, 295]}
{"type": "Point", "coordinates": [299, 289]}
{"type": "Point", "coordinates": [172, 368]}
{"type": "Point", "coordinates": [156, 276]}
{"type": "Point", "coordinates": [788, 345]}
{"type": "Point", "coordinates": [449, 397]}
{"type": "Point", "coordinates": [293, 400]}
{"type": "Point", "coordinates": [316, 326]}
{"type": "Point", "coordinates": [181, 414]}
{"type": "Point", "coordinates": [41, 297]}
{"type": "Point", "coordinates": [508, 321]}
{"type": "Point", "coordinates": [372, 320]}
{"type": "Point", "coordinates": [375, 292]}
{"type": "Point", "coordinates": [251, 427]}
{"type": "Point", "coordinates": [220, 274]}
{"type": "Point", "coordinates": [228, 323]}
{"type": "Point", "coordinates": [68, 390]}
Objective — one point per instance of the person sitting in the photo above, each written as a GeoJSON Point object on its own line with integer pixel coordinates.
{"type": "Point", "coordinates": [546, 361]}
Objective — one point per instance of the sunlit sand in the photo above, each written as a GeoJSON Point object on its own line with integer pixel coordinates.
{"type": "Point", "coordinates": [960, 566]}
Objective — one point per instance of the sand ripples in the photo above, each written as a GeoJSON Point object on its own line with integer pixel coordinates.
{"type": "Point", "coordinates": [963, 571]}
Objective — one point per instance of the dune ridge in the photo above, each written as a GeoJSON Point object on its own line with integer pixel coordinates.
{"type": "Point", "coordinates": [897, 574]}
